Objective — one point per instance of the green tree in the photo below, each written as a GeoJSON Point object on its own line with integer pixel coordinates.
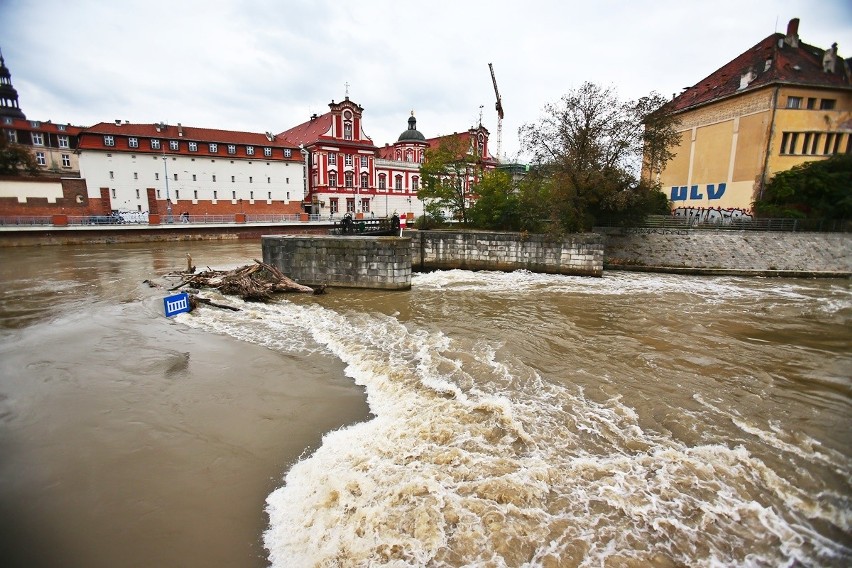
{"type": "Point", "coordinates": [15, 159]}
{"type": "Point", "coordinates": [444, 177]}
{"type": "Point", "coordinates": [588, 149]}
{"type": "Point", "coordinates": [814, 190]}
{"type": "Point", "coordinates": [497, 205]}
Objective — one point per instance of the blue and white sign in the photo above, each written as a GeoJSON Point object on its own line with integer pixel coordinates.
{"type": "Point", "coordinates": [176, 304]}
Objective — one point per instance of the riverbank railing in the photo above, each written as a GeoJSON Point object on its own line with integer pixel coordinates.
{"type": "Point", "coordinates": [747, 224]}
{"type": "Point", "coordinates": [143, 219]}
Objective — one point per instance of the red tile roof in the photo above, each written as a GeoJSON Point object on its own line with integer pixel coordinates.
{"type": "Point", "coordinates": [772, 61]}
{"type": "Point", "coordinates": [308, 132]}
{"type": "Point", "coordinates": [173, 132]}
{"type": "Point", "coordinates": [43, 126]}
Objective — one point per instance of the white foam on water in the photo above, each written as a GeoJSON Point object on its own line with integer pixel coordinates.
{"type": "Point", "coordinates": [473, 460]}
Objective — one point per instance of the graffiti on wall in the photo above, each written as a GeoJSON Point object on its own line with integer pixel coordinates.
{"type": "Point", "coordinates": [714, 191]}
{"type": "Point", "coordinates": [710, 215]}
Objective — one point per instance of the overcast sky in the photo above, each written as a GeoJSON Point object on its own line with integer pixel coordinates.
{"type": "Point", "coordinates": [268, 65]}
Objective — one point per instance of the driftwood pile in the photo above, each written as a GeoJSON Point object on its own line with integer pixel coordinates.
{"type": "Point", "coordinates": [254, 282]}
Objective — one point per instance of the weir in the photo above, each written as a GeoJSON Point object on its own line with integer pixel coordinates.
{"type": "Point", "coordinates": [350, 261]}
{"type": "Point", "coordinates": [386, 262]}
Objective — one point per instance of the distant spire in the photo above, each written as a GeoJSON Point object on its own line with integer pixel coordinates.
{"type": "Point", "coordinates": [8, 94]}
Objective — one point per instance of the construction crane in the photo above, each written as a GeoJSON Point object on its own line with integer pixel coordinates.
{"type": "Point", "coordinates": [499, 107]}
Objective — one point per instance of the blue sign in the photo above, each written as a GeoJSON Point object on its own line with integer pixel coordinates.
{"type": "Point", "coordinates": [176, 304]}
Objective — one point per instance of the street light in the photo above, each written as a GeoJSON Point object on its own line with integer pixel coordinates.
{"type": "Point", "coordinates": [168, 198]}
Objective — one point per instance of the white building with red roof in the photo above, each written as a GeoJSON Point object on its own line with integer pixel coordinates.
{"type": "Point", "coordinates": [199, 171]}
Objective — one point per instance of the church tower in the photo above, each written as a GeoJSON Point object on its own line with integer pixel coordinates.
{"type": "Point", "coordinates": [8, 95]}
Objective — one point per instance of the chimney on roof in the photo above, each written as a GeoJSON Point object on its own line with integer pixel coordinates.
{"type": "Point", "coordinates": [118, 122]}
{"type": "Point", "coordinates": [829, 59]}
{"type": "Point", "coordinates": [314, 116]}
{"type": "Point", "coordinates": [792, 37]}
{"type": "Point", "coordinates": [180, 129]}
{"type": "Point", "coordinates": [126, 122]}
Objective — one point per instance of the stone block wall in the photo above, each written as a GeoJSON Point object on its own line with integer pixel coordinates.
{"type": "Point", "coordinates": [748, 252]}
{"type": "Point", "coordinates": [482, 250]}
{"type": "Point", "coordinates": [355, 262]}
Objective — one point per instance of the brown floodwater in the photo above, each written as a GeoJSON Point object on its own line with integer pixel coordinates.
{"type": "Point", "coordinates": [127, 439]}
{"type": "Point", "coordinates": [479, 419]}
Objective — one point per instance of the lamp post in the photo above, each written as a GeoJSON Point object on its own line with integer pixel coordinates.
{"type": "Point", "coordinates": [168, 198]}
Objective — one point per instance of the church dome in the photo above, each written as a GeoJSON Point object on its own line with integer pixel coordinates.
{"type": "Point", "coordinates": [412, 134]}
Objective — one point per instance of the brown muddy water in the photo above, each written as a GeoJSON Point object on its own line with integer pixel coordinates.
{"type": "Point", "coordinates": [493, 419]}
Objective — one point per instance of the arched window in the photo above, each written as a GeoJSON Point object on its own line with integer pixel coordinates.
{"type": "Point", "coordinates": [408, 156]}
{"type": "Point", "coordinates": [332, 179]}
{"type": "Point", "coordinates": [415, 183]}
{"type": "Point", "coordinates": [397, 184]}
{"type": "Point", "coordinates": [347, 131]}
{"type": "Point", "coordinates": [365, 180]}
{"type": "Point", "coordinates": [399, 155]}
{"type": "Point", "coordinates": [383, 181]}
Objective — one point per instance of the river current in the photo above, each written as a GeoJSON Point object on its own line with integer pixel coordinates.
{"type": "Point", "coordinates": [515, 419]}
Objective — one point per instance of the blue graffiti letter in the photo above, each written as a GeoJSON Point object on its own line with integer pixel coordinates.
{"type": "Point", "coordinates": [711, 194]}
{"type": "Point", "coordinates": [693, 193]}
{"type": "Point", "coordinates": [679, 193]}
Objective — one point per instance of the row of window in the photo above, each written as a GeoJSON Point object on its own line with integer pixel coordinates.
{"type": "Point", "coordinates": [194, 177]}
{"type": "Point", "coordinates": [174, 146]}
{"type": "Point", "coordinates": [41, 159]}
{"type": "Point", "coordinates": [811, 104]}
{"type": "Point", "coordinates": [176, 194]}
{"type": "Point", "coordinates": [37, 139]}
{"type": "Point", "coordinates": [815, 143]}
{"type": "Point", "coordinates": [350, 205]}
{"type": "Point", "coordinates": [349, 181]}
{"type": "Point", "coordinates": [347, 160]}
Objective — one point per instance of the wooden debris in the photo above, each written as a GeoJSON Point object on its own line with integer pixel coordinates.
{"type": "Point", "coordinates": [254, 282]}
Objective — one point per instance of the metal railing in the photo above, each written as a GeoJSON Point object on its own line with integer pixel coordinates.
{"type": "Point", "coordinates": [143, 219]}
{"type": "Point", "coordinates": [748, 224]}
{"type": "Point", "coordinates": [25, 221]}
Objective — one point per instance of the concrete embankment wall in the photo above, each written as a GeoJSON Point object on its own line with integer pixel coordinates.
{"type": "Point", "coordinates": [90, 235]}
{"type": "Point", "coordinates": [482, 250]}
{"type": "Point", "coordinates": [729, 252]}
{"type": "Point", "coordinates": [356, 262]}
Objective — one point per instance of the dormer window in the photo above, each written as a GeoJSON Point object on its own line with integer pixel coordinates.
{"type": "Point", "coordinates": [155, 144]}
{"type": "Point", "coordinates": [250, 150]}
{"type": "Point", "coordinates": [213, 148]}
{"type": "Point", "coordinates": [287, 152]}
{"type": "Point", "coordinates": [174, 145]}
{"type": "Point", "coordinates": [109, 141]}
{"type": "Point", "coordinates": [267, 152]}
{"type": "Point", "coordinates": [35, 123]}
{"type": "Point", "coordinates": [133, 142]}
{"type": "Point", "coordinates": [232, 149]}
{"type": "Point", "coordinates": [193, 147]}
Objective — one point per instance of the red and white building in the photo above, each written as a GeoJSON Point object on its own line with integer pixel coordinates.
{"type": "Point", "coordinates": [349, 173]}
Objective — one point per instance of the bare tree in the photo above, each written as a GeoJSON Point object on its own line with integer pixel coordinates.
{"type": "Point", "coordinates": [589, 148]}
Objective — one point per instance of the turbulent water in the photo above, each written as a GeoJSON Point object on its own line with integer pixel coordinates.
{"type": "Point", "coordinates": [535, 420]}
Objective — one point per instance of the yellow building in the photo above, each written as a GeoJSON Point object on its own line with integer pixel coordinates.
{"type": "Point", "coordinates": [777, 105]}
